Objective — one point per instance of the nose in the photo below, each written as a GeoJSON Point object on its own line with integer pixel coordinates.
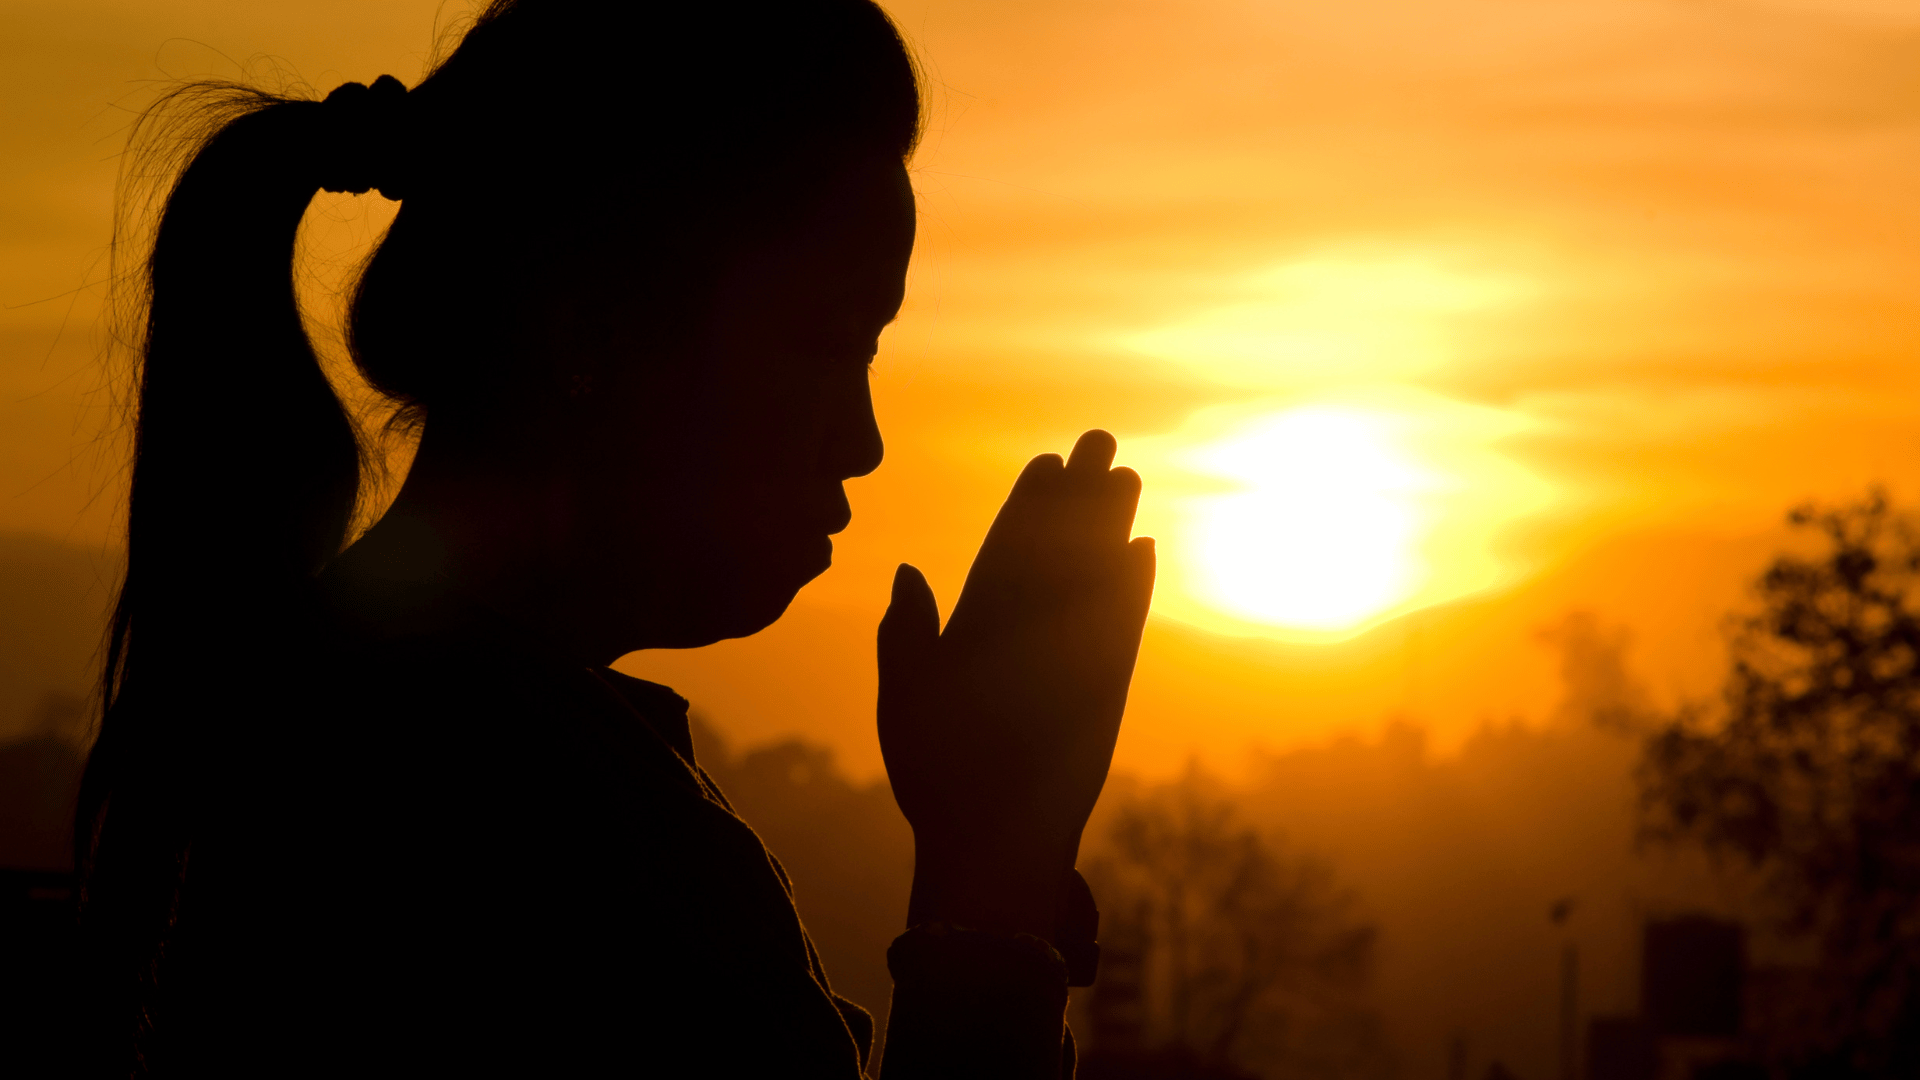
{"type": "Point", "coordinates": [854, 446]}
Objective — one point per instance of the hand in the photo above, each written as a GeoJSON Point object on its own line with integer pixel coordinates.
{"type": "Point", "coordinates": [998, 733]}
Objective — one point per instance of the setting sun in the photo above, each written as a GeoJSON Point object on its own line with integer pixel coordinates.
{"type": "Point", "coordinates": [1323, 532]}
{"type": "Point", "coordinates": [1314, 520]}
{"type": "Point", "coordinates": [1344, 492]}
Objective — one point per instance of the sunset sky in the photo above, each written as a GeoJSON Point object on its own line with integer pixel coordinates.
{"type": "Point", "coordinates": [1424, 322]}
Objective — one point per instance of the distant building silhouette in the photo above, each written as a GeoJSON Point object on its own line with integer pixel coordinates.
{"type": "Point", "coordinates": [39, 777]}
{"type": "Point", "coordinates": [1692, 975]}
{"type": "Point", "coordinates": [1695, 1020]}
{"type": "Point", "coordinates": [1621, 1048]}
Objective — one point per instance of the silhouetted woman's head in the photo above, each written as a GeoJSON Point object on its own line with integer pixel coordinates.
{"type": "Point", "coordinates": [649, 263]}
{"type": "Point", "coordinates": [602, 204]}
{"type": "Point", "coordinates": [643, 254]}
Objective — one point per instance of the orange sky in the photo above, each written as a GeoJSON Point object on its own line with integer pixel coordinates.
{"type": "Point", "coordinates": [1618, 281]}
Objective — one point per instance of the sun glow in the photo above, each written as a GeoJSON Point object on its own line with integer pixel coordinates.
{"type": "Point", "coordinates": [1332, 320]}
{"type": "Point", "coordinates": [1315, 520]}
{"type": "Point", "coordinates": [1323, 532]}
{"type": "Point", "coordinates": [1334, 495]}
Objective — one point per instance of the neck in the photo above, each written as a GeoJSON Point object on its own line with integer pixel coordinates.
{"type": "Point", "coordinates": [491, 530]}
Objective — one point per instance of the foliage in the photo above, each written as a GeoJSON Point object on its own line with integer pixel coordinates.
{"type": "Point", "coordinates": [1255, 955]}
{"type": "Point", "coordinates": [1597, 688]}
{"type": "Point", "coordinates": [1809, 771]}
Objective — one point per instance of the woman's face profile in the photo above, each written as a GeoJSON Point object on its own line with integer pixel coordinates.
{"type": "Point", "coordinates": [715, 476]}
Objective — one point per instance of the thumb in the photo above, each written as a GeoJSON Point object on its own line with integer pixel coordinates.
{"type": "Point", "coordinates": [910, 630]}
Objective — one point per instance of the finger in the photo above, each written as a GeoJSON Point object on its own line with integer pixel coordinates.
{"type": "Point", "coordinates": [1092, 455]}
{"type": "Point", "coordinates": [910, 630]}
{"type": "Point", "coordinates": [1119, 501]}
{"type": "Point", "coordinates": [1107, 497]}
{"type": "Point", "coordinates": [1131, 599]}
{"type": "Point", "coordinates": [1142, 566]}
{"type": "Point", "coordinates": [1040, 479]}
{"type": "Point", "coordinates": [1038, 471]}
{"type": "Point", "coordinates": [1024, 515]}
{"type": "Point", "coordinates": [1116, 641]}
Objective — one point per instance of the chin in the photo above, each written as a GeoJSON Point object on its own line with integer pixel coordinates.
{"type": "Point", "coordinates": [756, 599]}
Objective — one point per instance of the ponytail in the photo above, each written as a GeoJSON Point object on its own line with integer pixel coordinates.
{"type": "Point", "coordinates": [246, 471]}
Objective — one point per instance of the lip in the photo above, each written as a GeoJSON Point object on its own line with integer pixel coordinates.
{"type": "Point", "coordinates": [836, 521]}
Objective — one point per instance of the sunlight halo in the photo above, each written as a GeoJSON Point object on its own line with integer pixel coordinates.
{"type": "Point", "coordinates": [1316, 520]}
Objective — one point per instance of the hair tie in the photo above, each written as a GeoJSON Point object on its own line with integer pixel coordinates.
{"type": "Point", "coordinates": [366, 147]}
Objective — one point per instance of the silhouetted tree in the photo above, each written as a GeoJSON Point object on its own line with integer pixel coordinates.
{"type": "Point", "coordinates": [1809, 772]}
{"type": "Point", "coordinates": [1597, 687]}
{"type": "Point", "coordinates": [1255, 956]}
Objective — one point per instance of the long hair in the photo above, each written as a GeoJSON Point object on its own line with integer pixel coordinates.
{"type": "Point", "coordinates": [595, 157]}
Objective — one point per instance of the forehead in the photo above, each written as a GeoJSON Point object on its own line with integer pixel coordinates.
{"type": "Point", "coordinates": [845, 260]}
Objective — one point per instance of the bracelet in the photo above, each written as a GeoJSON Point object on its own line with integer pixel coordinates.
{"type": "Point", "coordinates": [1075, 939]}
{"type": "Point", "coordinates": [940, 950]}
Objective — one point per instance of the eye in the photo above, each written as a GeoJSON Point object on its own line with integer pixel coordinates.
{"type": "Point", "coordinates": [843, 359]}
{"type": "Point", "coordinates": [834, 351]}
{"type": "Point", "coordinates": [863, 355]}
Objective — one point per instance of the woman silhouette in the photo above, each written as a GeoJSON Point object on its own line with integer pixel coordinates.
{"type": "Point", "coordinates": [387, 809]}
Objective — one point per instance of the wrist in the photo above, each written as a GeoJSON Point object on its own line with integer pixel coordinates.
{"type": "Point", "coordinates": [1006, 891]}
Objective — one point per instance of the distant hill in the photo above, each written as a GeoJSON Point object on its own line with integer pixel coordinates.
{"type": "Point", "coordinates": [53, 611]}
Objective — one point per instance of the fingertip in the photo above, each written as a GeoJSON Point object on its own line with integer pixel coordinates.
{"type": "Point", "coordinates": [907, 580]}
{"type": "Point", "coordinates": [1042, 466]}
{"type": "Point", "coordinates": [912, 610]}
{"type": "Point", "coordinates": [1093, 452]}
